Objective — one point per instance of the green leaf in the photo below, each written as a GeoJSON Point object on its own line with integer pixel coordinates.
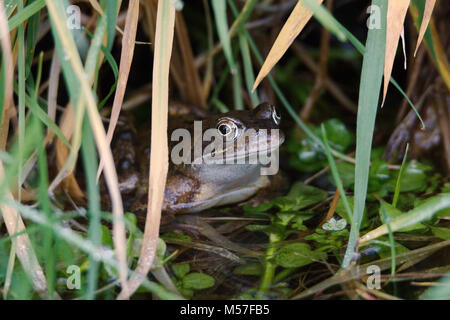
{"type": "Point", "coordinates": [181, 269]}
{"type": "Point", "coordinates": [339, 137]}
{"type": "Point", "coordinates": [300, 196]}
{"type": "Point", "coordinates": [442, 233]}
{"type": "Point", "coordinates": [161, 249]}
{"type": "Point", "coordinates": [198, 281]}
{"type": "Point", "coordinates": [263, 207]}
{"type": "Point", "coordinates": [106, 236]}
{"type": "Point", "coordinates": [188, 293]}
{"type": "Point", "coordinates": [393, 213]}
{"type": "Point", "coordinates": [297, 255]}
{"type": "Point", "coordinates": [273, 229]}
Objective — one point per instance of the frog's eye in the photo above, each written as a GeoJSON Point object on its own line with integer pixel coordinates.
{"type": "Point", "coordinates": [276, 118]}
{"type": "Point", "coordinates": [228, 128]}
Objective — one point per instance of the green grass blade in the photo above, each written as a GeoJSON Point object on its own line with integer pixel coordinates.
{"type": "Point", "coordinates": [21, 95]}
{"type": "Point", "coordinates": [248, 68]}
{"type": "Point", "coordinates": [25, 13]}
{"type": "Point", "coordinates": [220, 13]}
{"type": "Point", "coordinates": [399, 179]}
{"type": "Point", "coordinates": [369, 91]}
{"type": "Point", "coordinates": [391, 238]}
{"type": "Point", "coordinates": [421, 213]}
{"type": "Point", "coordinates": [111, 13]}
{"type": "Point", "coordinates": [90, 165]}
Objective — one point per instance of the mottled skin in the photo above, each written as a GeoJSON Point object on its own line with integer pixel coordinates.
{"type": "Point", "coordinates": [195, 187]}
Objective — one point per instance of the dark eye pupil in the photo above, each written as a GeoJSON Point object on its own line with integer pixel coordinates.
{"type": "Point", "coordinates": [224, 129]}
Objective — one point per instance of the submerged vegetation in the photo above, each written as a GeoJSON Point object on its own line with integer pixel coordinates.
{"type": "Point", "coordinates": [360, 209]}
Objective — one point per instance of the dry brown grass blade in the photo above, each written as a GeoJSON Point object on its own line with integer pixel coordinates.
{"type": "Point", "coordinates": [24, 250]}
{"type": "Point", "coordinates": [395, 18]}
{"type": "Point", "coordinates": [429, 6]}
{"type": "Point", "coordinates": [67, 126]}
{"type": "Point", "coordinates": [9, 74]}
{"type": "Point", "coordinates": [165, 23]}
{"type": "Point", "coordinates": [52, 95]}
{"type": "Point", "coordinates": [194, 94]}
{"type": "Point", "coordinates": [291, 29]}
{"type": "Point", "coordinates": [128, 43]}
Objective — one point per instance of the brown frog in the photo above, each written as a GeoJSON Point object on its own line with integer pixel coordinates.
{"type": "Point", "coordinates": [198, 184]}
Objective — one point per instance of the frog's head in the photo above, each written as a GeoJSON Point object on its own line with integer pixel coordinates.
{"type": "Point", "coordinates": [244, 133]}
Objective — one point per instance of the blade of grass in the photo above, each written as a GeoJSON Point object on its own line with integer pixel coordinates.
{"type": "Point", "coordinates": [25, 14]}
{"type": "Point", "coordinates": [21, 97]}
{"type": "Point", "coordinates": [391, 241]}
{"type": "Point", "coordinates": [126, 58]}
{"type": "Point", "coordinates": [396, 14]}
{"type": "Point", "coordinates": [90, 164]}
{"type": "Point", "coordinates": [44, 200]}
{"type": "Point", "coordinates": [297, 20]}
{"type": "Point", "coordinates": [248, 69]}
{"type": "Point", "coordinates": [398, 184]}
{"type": "Point", "coordinates": [7, 77]}
{"type": "Point", "coordinates": [220, 13]}
{"type": "Point", "coordinates": [432, 41]}
{"type": "Point", "coordinates": [429, 6]}
{"type": "Point", "coordinates": [112, 8]}
{"type": "Point", "coordinates": [32, 36]}
{"type": "Point", "coordinates": [371, 76]}
{"type": "Point", "coordinates": [421, 213]}
{"type": "Point", "coordinates": [159, 155]}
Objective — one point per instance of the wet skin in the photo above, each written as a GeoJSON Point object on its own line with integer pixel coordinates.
{"type": "Point", "coordinates": [196, 187]}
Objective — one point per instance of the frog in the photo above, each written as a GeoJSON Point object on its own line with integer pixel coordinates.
{"type": "Point", "coordinates": [197, 185]}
